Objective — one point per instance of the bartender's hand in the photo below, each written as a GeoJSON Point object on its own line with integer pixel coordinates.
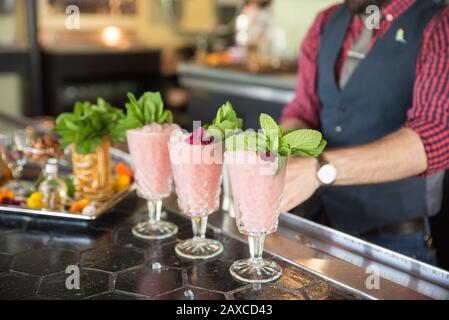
{"type": "Point", "coordinates": [301, 182]}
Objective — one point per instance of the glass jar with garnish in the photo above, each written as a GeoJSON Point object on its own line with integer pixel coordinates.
{"type": "Point", "coordinates": [89, 130]}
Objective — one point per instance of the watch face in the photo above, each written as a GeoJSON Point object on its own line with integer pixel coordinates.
{"type": "Point", "coordinates": [327, 174]}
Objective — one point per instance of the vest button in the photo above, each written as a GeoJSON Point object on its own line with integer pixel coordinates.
{"type": "Point", "coordinates": [338, 129]}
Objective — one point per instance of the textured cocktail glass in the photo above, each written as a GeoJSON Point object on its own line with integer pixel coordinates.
{"type": "Point", "coordinates": [197, 173]}
{"type": "Point", "coordinates": [257, 185]}
{"type": "Point", "coordinates": [148, 147]}
{"type": "Point", "coordinates": [11, 152]}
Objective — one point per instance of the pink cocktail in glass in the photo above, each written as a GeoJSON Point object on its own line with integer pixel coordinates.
{"type": "Point", "coordinates": [148, 147]}
{"type": "Point", "coordinates": [257, 184]}
{"type": "Point", "coordinates": [197, 170]}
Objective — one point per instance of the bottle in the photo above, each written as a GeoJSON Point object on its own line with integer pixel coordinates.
{"type": "Point", "coordinates": [53, 189]}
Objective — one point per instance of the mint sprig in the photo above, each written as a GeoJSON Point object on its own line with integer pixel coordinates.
{"type": "Point", "coordinates": [148, 109]}
{"type": "Point", "coordinates": [225, 122]}
{"type": "Point", "coordinates": [273, 140]}
{"type": "Point", "coordinates": [88, 125]}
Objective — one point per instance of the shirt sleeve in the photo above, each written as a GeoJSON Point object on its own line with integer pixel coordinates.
{"type": "Point", "coordinates": [429, 115]}
{"type": "Point", "coordinates": [305, 105]}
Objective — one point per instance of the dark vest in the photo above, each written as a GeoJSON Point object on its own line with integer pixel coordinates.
{"type": "Point", "coordinates": [373, 104]}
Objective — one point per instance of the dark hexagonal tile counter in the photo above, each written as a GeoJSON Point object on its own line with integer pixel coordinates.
{"type": "Point", "coordinates": [17, 286]}
{"type": "Point", "coordinates": [92, 282]}
{"type": "Point", "coordinates": [111, 295]}
{"type": "Point", "coordinates": [112, 258]}
{"type": "Point", "coordinates": [44, 261]}
{"type": "Point", "coordinates": [213, 275]}
{"type": "Point", "coordinates": [144, 280]}
{"type": "Point", "coordinates": [115, 265]}
{"type": "Point", "coordinates": [5, 262]}
{"type": "Point", "coordinates": [190, 293]}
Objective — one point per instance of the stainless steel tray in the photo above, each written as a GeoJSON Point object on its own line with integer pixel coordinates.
{"type": "Point", "coordinates": [116, 156]}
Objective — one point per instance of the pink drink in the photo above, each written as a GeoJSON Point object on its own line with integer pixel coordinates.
{"type": "Point", "coordinates": [148, 147]}
{"type": "Point", "coordinates": [197, 174]}
{"type": "Point", "coordinates": [257, 187]}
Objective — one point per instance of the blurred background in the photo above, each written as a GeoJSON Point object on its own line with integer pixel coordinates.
{"type": "Point", "coordinates": [198, 53]}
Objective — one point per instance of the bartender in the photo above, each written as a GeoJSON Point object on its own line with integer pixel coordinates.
{"type": "Point", "coordinates": [380, 95]}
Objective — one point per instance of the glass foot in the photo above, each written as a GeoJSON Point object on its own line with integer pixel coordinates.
{"type": "Point", "coordinates": [255, 271]}
{"type": "Point", "coordinates": [155, 230]}
{"type": "Point", "coordinates": [199, 249]}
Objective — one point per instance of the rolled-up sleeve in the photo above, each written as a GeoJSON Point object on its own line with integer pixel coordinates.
{"type": "Point", "coordinates": [429, 115]}
{"type": "Point", "coordinates": [305, 105]}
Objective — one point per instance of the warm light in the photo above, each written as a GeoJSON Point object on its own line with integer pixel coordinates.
{"type": "Point", "coordinates": [242, 22]}
{"type": "Point", "coordinates": [112, 36]}
{"type": "Point", "coordinates": [242, 28]}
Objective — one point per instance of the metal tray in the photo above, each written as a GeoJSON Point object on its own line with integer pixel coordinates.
{"type": "Point", "coordinates": [116, 156]}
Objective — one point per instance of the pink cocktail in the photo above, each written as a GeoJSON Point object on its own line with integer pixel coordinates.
{"type": "Point", "coordinates": [257, 184]}
{"type": "Point", "coordinates": [197, 170]}
{"type": "Point", "coordinates": [148, 147]}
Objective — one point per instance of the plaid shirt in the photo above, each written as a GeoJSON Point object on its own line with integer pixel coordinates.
{"type": "Point", "coordinates": [429, 114]}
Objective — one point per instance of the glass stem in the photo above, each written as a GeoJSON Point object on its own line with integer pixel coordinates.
{"type": "Point", "coordinates": [256, 247]}
{"type": "Point", "coordinates": [154, 210]}
{"type": "Point", "coordinates": [199, 226]}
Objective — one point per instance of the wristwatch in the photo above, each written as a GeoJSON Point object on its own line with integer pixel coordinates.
{"type": "Point", "coordinates": [326, 173]}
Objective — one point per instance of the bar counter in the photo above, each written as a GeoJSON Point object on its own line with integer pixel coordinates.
{"type": "Point", "coordinates": [317, 262]}
{"type": "Point", "coordinates": [35, 252]}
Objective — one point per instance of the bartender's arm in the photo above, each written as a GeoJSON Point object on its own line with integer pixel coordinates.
{"type": "Point", "coordinates": [397, 156]}
{"type": "Point", "coordinates": [420, 147]}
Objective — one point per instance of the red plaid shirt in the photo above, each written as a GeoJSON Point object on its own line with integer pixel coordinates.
{"type": "Point", "coordinates": [429, 114]}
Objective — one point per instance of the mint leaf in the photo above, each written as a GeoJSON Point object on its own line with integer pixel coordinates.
{"type": "Point", "coordinates": [88, 125]}
{"type": "Point", "coordinates": [272, 139]}
{"type": "Point", "coordinates": [226, 120]}
{"type": "Point", "coordinates": [267, 123]}
{"type": "Point", "coordinates": [272, 131]}
{"type": "Point", "coordinates": [303, 139]}
{"type": "Point", "coordinates": [166, 117]}
{"type": "Point", "coordinates": [137, 111]}
{"type": "Point", "coordinates": [148, 109]}
{"type": "Point", "coordinates": [284, 151]}
{"type": "Point", "coordinates": [307, 143]}
{"type": "Point", "coordinates": [312, 152]}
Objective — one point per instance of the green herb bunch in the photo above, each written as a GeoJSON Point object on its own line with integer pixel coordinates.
{"type": "Point", "coordinates": [148, 109]}
{"type": "Point", "coordinates": [225, 122]}
{"type": "Point", "coordinates": [88, 125]}
{"type": "Point", "coordinates": [273, 140]}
